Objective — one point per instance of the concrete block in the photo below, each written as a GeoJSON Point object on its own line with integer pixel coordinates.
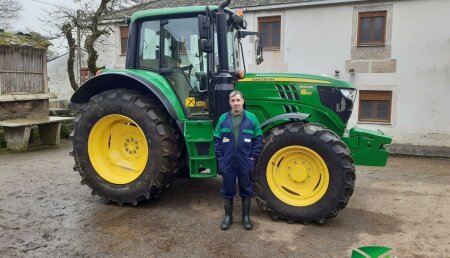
{"type": "Point", "coordinates": [17, 131]}
{"type": "Point", "coordinates": [371, 53]}
{"type": "Point", "coordinates": [384, 66]}
{"type": "Point", "coordinates": [419, 150]}
{"type": "Point", "coordinates": [360, 66]}
{"type": "Point", "coordinates": [17, 137]}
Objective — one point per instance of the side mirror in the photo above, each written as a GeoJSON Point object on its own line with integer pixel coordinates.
{"type": "Point", "coordinates": [204, 26]}
{"type": "Point", "coordinates": [258, 50]}
{"type": "Point", "coordinates": [204, 29]}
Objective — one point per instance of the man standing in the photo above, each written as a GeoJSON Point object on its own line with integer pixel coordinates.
{"type": "Point", "coordinates": [238, 142]}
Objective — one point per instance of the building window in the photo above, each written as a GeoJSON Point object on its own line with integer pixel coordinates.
{"type": "Point", "coordinates": [123, 40]}
{"type": "Point", "coordinates": [372, 28]}
{"type": "Point", "coordinates": [375, 106]}
{"type": "Point", "coordinates": [270, 29]}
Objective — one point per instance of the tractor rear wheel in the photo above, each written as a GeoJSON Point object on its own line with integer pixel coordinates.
{"type": "Point", "coordinates": [305, 173]}
{"type": "Point", "coordinates": [125, 147]}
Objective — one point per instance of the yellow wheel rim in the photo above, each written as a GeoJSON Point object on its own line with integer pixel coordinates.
{"type": "Point", "coordinates": [117, 149]}
{"type": "Point", "coordinates": [297, 176]}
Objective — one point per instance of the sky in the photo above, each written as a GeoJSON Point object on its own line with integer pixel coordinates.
{"type": "Point", "coordinates": [32, 10]}
{"type": "Point", "coordinates": [29, 16]}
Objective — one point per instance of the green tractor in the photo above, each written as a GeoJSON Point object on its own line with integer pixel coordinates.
{"type": "Point", "coordinates": [139, 127]}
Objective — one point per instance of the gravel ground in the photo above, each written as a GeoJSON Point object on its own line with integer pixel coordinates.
{"type": "Point", "coordinates": [45, 212]}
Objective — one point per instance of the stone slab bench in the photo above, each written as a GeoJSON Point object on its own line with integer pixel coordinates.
{"type": "Point", "coordinates": [17, 131]}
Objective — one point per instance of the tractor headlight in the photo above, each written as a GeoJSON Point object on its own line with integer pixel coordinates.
{"type": "Point", "coordinates": [339, 100]}
{"type": "Point", "coordinates": [349, 93]}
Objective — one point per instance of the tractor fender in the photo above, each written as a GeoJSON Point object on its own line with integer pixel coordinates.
{"type": "Point", "coordinates": [290, 116]}
{"type": "Point", "coordinates": [116, 80]}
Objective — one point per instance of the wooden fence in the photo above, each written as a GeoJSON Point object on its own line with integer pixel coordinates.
{"type": "Point", "coordinates": [22, 70]}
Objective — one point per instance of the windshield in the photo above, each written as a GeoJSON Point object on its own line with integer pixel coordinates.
{"type": "Point", "coordinates": [181, 45]}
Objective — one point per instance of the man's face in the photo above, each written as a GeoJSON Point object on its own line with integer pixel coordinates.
{"type": "Point", "coordinates": [237, 104]}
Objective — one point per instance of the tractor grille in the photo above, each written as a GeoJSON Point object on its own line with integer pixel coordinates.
{"type": "Point", "coordinates": [287, 91]}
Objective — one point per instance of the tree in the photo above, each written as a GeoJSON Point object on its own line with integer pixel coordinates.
{"type": "Point", "coordinates": [9, 10]}
{"type": "Point", "coordinates": [87, 18]}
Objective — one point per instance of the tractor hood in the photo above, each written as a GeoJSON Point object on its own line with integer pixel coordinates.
{"type": "Point", "coordinates": [324, 98]}
{"type": "Point", "coordinates": [296, 78]}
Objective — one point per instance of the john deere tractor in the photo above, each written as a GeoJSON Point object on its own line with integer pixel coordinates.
{"type": "Point", "coordinates": [140, 126]}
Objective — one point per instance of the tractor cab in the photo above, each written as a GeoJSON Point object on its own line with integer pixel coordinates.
{"type": "Point", "coordinates": [187, 48]}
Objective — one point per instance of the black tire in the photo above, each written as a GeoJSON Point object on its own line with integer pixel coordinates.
{"type": "Point", "coordinates": [160, 133]}
{"type": "Point", "coordinates": [334, 153]}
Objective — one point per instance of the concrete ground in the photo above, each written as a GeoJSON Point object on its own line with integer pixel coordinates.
{"type": "Point", "coordinates": [45, 212]}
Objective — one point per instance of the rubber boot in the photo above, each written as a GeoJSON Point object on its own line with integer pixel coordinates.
{"type": "Point", "coordinates": [246, 222]}
{"type": "Point", "coordinates": [228, 220]}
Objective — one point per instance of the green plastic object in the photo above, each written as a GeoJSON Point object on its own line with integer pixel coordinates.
{"type": "Point", "coordinates": [199, 141]}
{"type": "Point", "coordinates": [367, 146]}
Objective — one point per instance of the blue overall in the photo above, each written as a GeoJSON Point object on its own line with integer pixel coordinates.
{"type": "Point", "coordinates": [237, 159]}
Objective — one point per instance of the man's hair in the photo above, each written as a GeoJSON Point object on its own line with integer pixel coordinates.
{"type": "Point", "coordinates": [236, 92]}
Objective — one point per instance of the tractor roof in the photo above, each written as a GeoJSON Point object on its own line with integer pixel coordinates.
{"type": "Point", "coordinates": [172, 11]}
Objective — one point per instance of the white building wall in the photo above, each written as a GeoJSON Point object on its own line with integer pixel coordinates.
{"type": "Point", "coordinates": [421, 45]}
{"type": "Point", "coordinates": [318, 39]}
{"type": "Point", "coordinates": [58, 80]}
{"type": "Point", "coordinates": [109, 51]}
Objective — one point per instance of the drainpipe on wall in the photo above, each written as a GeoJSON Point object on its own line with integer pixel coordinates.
{"type": "Point", "coordinates": [79, 50]}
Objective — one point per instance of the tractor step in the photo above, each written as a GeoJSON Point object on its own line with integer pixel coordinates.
{"type": "Point", "coordinates": [200, 145]}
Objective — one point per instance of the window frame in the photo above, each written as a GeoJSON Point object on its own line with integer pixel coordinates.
{"type": "Point", "coordinates": [375, 95]}
{"type": "Point", "coordinates": [372, 14]}
{"type": "Point", "coordinates": [269, 19]}
{"type": "Point", "coordinates": [123, 35]}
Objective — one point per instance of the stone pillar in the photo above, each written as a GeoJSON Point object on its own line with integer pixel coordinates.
{"type": "Point", "coordinates": [17, 137]}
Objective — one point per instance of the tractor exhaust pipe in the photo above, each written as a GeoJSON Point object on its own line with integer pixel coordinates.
{"type": "Point", "coordinates": [223, 5]}
{"type": "Point", "coordinates": [224, 80]}
{"type": "Point", "coordinates": [222, 36]}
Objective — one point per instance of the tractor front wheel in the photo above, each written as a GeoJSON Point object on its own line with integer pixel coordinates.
{"type": "Point", "coordinates": [305, 173]}
{"type": "Point", "coordinates": [125, 147]}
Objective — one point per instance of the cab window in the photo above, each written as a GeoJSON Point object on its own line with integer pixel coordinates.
{"type": "Point", "coordinates": [181, 53]}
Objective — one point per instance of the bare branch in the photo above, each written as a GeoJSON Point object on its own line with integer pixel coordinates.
{"type": "Point", "coordinates": [9, 10]}
{"type": "Point", "coordinates": [89, 20]}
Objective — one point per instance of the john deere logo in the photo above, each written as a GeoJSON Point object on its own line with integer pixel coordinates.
{"type": "Point", "coordinates": [371, 252]}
